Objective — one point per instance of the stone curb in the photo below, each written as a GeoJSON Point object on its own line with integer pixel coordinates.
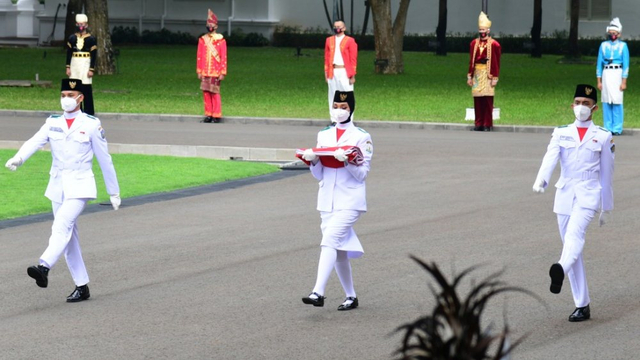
{"type": "Point", "coordinates": [281, 157]}
{"type": "Point", "coordinates": [370, 124]}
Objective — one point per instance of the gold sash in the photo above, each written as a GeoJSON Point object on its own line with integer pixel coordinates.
{"type": "Point", "coordinates": [208, 41]}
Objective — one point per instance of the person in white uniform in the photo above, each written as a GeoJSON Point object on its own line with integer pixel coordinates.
{"type": "Point", "coordinates": [75, 138]}
{"type": "Point", "coordinates": [585, 186]}
{"type": "Point", "coordinates": [341, 199]}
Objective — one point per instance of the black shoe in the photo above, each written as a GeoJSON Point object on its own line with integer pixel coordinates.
{"type": "Point", "coordinates": [488, 128]}
{"type": "Point", "coordinates": [207, 120]}
{"type": "Point", "coordinates": [478, 128]}
{"type": "Point", "coordinates": [79, 294]}
{"type": "Point", "coordinates": [580, 314]}
{"type": "Point", "coordinates": [319, 301]}
{"type": "Point", "coordinates": [216, 120]}
{"type": "Point", "coordinates": [39, 273]}
{"type": "Point", "coordinates": [344, 306]}
{"type": "Point", "coordinates": [557, 276]}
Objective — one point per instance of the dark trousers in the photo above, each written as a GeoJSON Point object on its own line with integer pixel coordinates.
{"type": "Point", "coordinates": [483, 108]}
{"type": "Point", "coordinates": [87, 103]}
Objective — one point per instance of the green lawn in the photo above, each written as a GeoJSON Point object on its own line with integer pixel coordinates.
{"type": "Point", "coordinates": [272, 82]}
{"type": "Point", "coordinates": [23, 190]}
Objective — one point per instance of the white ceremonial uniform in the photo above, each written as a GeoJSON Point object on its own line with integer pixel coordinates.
{"type": "Point", "coordinates": [584, 187]}
{"type": "Point", "coordinates": [71, 182]}
{"type": "Point", "coordinates": [342, 192]}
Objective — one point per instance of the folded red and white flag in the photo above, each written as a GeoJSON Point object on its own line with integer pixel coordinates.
{"type": "Point", "coordinates": [353, 153]}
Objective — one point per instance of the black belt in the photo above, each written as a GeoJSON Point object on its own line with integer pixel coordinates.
{"type": "Point", "coordinates": [613, 66]}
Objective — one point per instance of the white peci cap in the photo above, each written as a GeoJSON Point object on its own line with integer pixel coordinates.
{"type": "Point", "coordinates": [82, 18]}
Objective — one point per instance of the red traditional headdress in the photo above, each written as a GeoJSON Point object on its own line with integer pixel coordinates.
{"type": "Point", "coordinates": [212, 19]}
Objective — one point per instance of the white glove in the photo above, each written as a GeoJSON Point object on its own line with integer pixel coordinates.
{"type": "Point", "coordinates": [309, 155]}
{"type": "Point", "coordinates": [339, 155]}
{"type": "Point", "coordinates": [13, 163]}
{"type": "Point", "coordinates": [605, 217]}
{"type": "Point", "coordinates": [538, 186]}
{"type": "Point", "coordinates": [115, 201]}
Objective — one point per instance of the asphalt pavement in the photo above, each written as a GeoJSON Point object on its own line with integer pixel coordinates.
{"type": "Point", "coordinates": [219, 273]}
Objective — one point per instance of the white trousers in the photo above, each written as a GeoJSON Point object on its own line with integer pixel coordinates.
{"type": "Point", "coordinates": [572, 232]}
{"type": "Point", "coordinates": [340, 82]}
{"type": "Point", "coordinates": [64, 239]}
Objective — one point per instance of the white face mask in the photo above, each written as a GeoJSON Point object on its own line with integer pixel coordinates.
{"type": "Point", "coordinates": [69, 104]}
{"type": "Point", "coordinates": [339, 115]}
{"type": "Point", "coordinates": [582, 112]}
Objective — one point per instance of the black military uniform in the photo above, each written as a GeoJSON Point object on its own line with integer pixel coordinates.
{"type": "Point", "coordinates": [82, 50]}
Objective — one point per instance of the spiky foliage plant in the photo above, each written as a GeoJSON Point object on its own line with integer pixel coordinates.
{"type": "Point", "coordinates": [452, 330]}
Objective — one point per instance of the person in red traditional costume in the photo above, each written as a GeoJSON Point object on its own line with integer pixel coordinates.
{"type": "Point", "coordinates": [340, 66]}
{"type": "Point", "coordinates": [341, 197]}
{"type": "Point", "coordinates": [484, 69]}
{"type": "Point", "coordinates": [212, 68]}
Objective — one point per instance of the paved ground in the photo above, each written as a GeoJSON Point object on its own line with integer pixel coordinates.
{"type": "Point", "coordinates": [220, 274]}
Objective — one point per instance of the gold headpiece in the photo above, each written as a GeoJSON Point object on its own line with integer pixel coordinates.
{"type": "Point", "coordinates": [343, 97]}
{"type": "Point", "coordinates": [483, 20]}
{"type": "Point", "coordinates": [72, 84]}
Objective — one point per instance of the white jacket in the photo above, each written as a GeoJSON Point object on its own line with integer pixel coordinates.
{"type": "Point", "coordinates": [343, 188]}
{"type": "Point", "coordinates": [72, 151]}
{"type": "Point", "coordinates": [586, 168]}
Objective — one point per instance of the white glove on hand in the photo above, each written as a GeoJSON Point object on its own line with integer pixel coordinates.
{"type": "Point", "coordinates": [13, 163]}
{"type": "Point", "coordinates": [605, 217]}
{"type": "Point", "coordinates": [115, 201]}
{"type": "Point", "coordinates": [309, 155]}
{"type": "Point", "coordinates": [538, 186]}
{"type": "Point", "coordinates": [339, 155]}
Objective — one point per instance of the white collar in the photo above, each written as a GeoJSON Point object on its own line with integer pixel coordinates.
{"type": "Point", "coordinates": [583, 124]}
{"type": "Point", "coordinates": [344, 126]}
{"type": "Point", "coordinates": [72, 115]}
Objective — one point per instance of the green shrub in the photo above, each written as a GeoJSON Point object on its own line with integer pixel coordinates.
{"type": "Point", "coordinates": [124, 35]}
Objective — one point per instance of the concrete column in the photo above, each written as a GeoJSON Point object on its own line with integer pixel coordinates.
{"type": "Point", "coordinates": [27, 23]}
{"type": "Point", "coordinates": [8, 13]}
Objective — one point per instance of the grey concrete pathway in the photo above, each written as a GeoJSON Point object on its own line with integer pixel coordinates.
{"type": "Point", "coordinates": [219, 275]}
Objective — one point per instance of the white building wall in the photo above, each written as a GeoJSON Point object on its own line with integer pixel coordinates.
{"type": "Point", "coordinates": [508, 16]}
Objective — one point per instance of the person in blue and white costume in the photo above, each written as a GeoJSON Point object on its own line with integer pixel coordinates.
{"type": "Point", "coordinates": [75, 138]}
{"type": "Point", "coordinates": [612, 71]}
{"type": "Point", "coordinates": [585, 186]}
{"type": "Point", "coordinates": [341, 198]}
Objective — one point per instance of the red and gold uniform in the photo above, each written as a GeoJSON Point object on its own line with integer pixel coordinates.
{"type": "Point", "coordinates": [212, 68]}
{"type": "Point", "coordinates": [484, 69]}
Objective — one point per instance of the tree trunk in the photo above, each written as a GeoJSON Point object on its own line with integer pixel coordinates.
{"type": "Point", "coordinates": [389, 37]}
{"type": "Point", "coordinates": [574, 51]}
{"type": "Point", "coordinates": [536, 51]}
{"type": "Point", "coordinates": [97, 11]}
{"type": "Point", "coordinates": [441, 30]}
{"type": "Point", "coordinates": [366, 17]}
{"type": "Point", "coordinates": [73, 7]}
